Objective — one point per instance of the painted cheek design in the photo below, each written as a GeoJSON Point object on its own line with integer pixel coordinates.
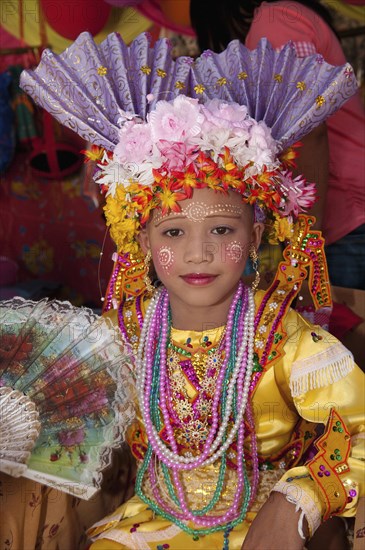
{"type": "Point", "coordinates": [234, 251]}
{"type": "Point", "coordinates": [165, 257]}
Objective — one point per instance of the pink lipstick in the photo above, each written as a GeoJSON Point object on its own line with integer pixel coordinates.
{"type": "Point", "coordinates": [198, 279]}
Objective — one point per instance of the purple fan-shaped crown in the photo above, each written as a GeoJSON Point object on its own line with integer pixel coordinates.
{"type": "Point", "coordinates": [92, 88]}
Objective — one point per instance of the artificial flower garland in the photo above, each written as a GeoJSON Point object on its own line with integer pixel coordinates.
{"type": "Point", "coordinates": [184, 145]}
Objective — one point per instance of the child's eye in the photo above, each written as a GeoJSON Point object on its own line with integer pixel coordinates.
{"type": "Point", "coordinates": [173, 232]}
{"type": "Point", "coordinates": [221, 230]}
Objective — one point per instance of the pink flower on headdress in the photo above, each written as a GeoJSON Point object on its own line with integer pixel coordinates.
{"type": "Point", "coordinates": [299, 195]}
{"type": "Point", "coordinates": [219, 114]}
{"type": "Point", "coordinates": [135, 143]}
{"type": "Point", "coordinates": [178, 155]}
{"type": "Point", "coordinates": [176, 121]}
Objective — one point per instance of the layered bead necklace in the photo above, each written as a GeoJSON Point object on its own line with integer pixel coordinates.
{"type": "Point", "coordinates": [229, 407]}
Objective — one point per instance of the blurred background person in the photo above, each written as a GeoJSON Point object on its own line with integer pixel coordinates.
{"type": "Point", "coordinates": [333, 155]}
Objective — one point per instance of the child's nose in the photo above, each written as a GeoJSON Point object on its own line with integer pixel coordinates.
{"type": "Point", "coordinates": [198, 251]}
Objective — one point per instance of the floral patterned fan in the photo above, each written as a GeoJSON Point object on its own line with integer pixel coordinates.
{"type": "Point", "coordinates": [65, 393]}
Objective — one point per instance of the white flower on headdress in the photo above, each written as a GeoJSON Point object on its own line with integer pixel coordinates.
{"type": "Point", "coordinates": [113, 174]}
{"type": "Point", "coordinates": [144, 171]}
{"type": "Point", "coordinates": [262, 144]}
{"type": "Point", "coordinates": [214, 141]}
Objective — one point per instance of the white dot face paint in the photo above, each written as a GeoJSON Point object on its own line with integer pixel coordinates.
{"type": "Point", "coordinates": [234, 251]}
{"type": "Point", "coordinates": [165, 258]}
{"type": "Point", "coordinates": [195, 212]}
{"type": "Point", "coordinates": [198, 211]}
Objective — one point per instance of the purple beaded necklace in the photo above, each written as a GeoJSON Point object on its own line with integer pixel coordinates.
{"type": "Point", "coordinates": [219, 438]}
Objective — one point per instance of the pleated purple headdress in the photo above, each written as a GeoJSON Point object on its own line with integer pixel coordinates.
{"type": "Point", "coordinates": [226, 120]}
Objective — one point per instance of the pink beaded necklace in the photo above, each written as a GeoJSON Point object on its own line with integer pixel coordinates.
{"type": "Point", "coordinates": [220, 437]}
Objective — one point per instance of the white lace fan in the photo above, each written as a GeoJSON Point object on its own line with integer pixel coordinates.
{"type": "Point", "coordinates": [66, 393]}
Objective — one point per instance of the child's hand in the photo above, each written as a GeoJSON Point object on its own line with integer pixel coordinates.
{"type": "Point", "coordinates": [275, 526]}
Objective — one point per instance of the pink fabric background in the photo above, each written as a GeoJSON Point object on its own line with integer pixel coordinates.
{"type": "Point", "coordinates": [54, 232]}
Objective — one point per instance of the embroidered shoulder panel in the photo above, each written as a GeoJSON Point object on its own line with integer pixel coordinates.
{"type": "Point", "coordinates": [303, 257]}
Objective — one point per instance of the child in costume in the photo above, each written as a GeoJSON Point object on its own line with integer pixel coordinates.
{"type": "Point", "coordinates": [231, 385]}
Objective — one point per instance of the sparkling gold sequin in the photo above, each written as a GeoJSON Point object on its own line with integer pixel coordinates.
{"type": "Point", "coordinates": [199, 362]}
{"type": "Point", "coordinates": [242, 75]}
{"type": "Point", "coordinates": [188, 398]}
{"type": "Point", "coordinates": [146, 69]}
{"type": "Point", "coordinates": [179, 85]}
{"type": "Point", "coordinates": [102, 71]}
{"type": "Point", "coordinates": [161, 73]}
{"type": "Point", "coordinates": [301, 86]}
{"type": "Point", "coordinates": [320, 100]}
{"type": "Point", "coordinates": [222, 81]}
{"type": "Point", "coordinates": [199, 88]}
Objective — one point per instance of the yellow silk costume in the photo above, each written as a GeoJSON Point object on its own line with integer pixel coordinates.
{"type": "Point", "coordinates": [312, 374]}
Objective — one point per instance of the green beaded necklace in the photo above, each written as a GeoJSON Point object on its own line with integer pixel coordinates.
{"type": "Point", "coordinates": [154, 400]}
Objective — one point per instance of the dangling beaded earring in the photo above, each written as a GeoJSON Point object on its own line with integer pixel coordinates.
{"type": "Point", "coordinates": [146, 279]}
{"type": "Point", "coordinates": [255, 264]}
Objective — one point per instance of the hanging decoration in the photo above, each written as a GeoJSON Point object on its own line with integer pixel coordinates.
{"type": "Point", "coordinates": [128, 22]}
{"type": "Point", "coordinates": [70, 18]}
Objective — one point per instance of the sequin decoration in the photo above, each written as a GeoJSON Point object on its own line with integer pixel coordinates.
{"type": "Point", "coordinates": [307, 252]}
{"type": "Point", "coordinates": [192, 384]}
{"type": "Point", "coordinates": [316, 337]}
{"type": "Point", "coordinates": [222, 81]}
{"type": "Point", "coordinates": [330, 464]}
{"type": "Point", "coordinates": [199, 89]}
{"type": "Point", "coordinates": [145, 69]}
